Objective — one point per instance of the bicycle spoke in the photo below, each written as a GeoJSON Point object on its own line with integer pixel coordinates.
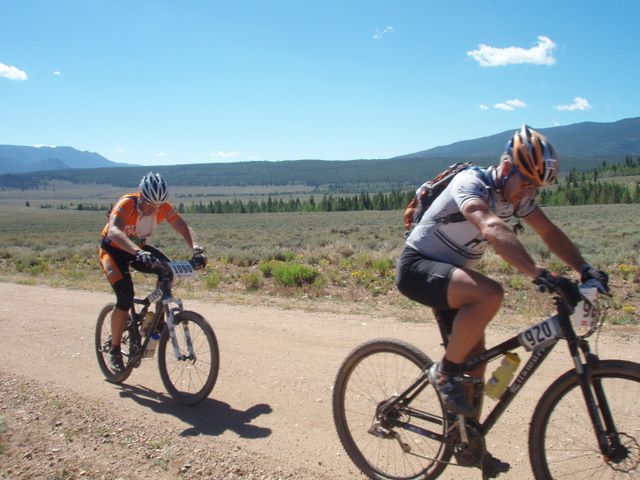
{"type": "Point", "coordinates": [370, 429]}
{"type": "Point", "coordinates": [563, 441]}
{"type": "Point", "coordinates": [190, 379]}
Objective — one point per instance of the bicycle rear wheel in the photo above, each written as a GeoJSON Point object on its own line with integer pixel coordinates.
{"type": "Point", "coordinates": [189, 379]}
{"type": "Point", "coordinates": [372, 374]}
{"type": "Point", "coordinates": [103, 345]}
{"type": "Point", "coordinates": [562, 440]}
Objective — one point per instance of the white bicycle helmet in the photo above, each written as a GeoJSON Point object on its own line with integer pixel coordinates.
{"type": "Point", "coordinates": [534, 156]}
{"type": "Point", "coordinates": [153, 188]}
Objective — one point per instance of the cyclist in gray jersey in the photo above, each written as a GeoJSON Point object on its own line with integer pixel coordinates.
{"type": "Point", "coordinates": [461, 243]}
{"type": "Point", "coordinates": [436, 266]}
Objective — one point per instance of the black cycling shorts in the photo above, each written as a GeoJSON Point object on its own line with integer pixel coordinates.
{"type": "Point", "coordinates": [426, 281]}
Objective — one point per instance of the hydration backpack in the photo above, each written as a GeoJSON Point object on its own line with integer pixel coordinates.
{"type": "Point", "coordinates": [429, 191]}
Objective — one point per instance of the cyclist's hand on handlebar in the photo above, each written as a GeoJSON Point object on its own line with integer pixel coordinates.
{"type": "Point", "coordinates": [199, 259]}
{"type": "Point", "coordinates": [557, 283]}
{"type": "Point", "coordinates": [145, 258]}
{"type": "Point", "coordinates": [588, 273]}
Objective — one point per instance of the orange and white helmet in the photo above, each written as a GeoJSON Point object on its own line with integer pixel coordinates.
{"type": "Point", "coordinates": [534, 156]}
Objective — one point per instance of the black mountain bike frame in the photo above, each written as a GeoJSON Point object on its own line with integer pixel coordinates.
{"type": "Point", "coordinates": [595, 399]}
{"type": "Point", "coordinates": [162, 297]}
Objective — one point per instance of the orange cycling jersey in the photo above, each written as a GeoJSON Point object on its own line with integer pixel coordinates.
{"type": "Point", "coordinates": [138, 227]}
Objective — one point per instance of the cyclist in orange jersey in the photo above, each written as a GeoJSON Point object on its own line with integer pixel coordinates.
{"type": "Point", "coordinates": [132, 221]}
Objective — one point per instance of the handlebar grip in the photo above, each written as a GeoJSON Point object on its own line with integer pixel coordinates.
{"type": "Point", "coordinates": [542, 288]}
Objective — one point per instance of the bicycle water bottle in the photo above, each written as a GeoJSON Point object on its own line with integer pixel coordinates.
{"type": "Point", "coordinates": [151, 346]}
{"type": "Point", "coordinates": [501, 378]}
{"type": "Point", "coordinates": [146, 323]}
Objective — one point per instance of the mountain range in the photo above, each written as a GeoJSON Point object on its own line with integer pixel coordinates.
{"type": "Point", "coordinates": [581, 146]}
{"type": "Point", "coordinates": [586, 139]}
{"type": "Point", "coordinates": [20, 159]}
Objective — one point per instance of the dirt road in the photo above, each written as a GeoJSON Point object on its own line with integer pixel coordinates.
{"type": "Point", "coordinates": [271, 405]}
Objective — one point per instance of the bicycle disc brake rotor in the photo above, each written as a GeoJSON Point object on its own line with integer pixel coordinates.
{"type": "Point", "coordinates": [626, 457]}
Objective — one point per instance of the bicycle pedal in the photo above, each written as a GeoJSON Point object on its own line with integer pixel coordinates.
{"type": "Point", "coordinates": [472, 380]}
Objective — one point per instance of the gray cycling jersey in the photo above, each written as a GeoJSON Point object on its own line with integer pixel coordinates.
{"type": "Point", "coordinates": [460, 242]}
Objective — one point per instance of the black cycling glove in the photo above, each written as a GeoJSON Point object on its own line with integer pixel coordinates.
{"type": "Point", "coordinates": [144, 258]}
{"type": "Point", "coordinates": [555, 283]}
{"type": "Point", "coordinates": [199, 259]}
{"type": "Point", "coordinates": [587, 272]}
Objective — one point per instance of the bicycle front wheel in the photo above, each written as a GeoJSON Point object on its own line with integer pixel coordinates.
{"type": "Point", "coordinates": [190, 376]}
{"type": "Point", "coordinates": [388, 446]}
{"type": "Point", "coordinates": [562, 439]}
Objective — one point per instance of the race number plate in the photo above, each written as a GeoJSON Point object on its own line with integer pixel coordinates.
{"type": "Point", "coordinates": [540, 335]}
{"type": "Point", "coordinates": [585, 312]}
{"type": "Point", "coordinates": [182, 269]}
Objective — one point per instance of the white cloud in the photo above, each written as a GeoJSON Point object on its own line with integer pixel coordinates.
{"type": "Point", "coordinates": [161, 154]}
{"type": "Point", "coordinates": [224, 154]}
{"type": "Point", "coordinates": [120, 149]}
{"type": "Point", "coordinates": [483, 107]}
{"type": "Point", "coordinates": [381, 33]}
{"type": "Point", "coordinates": [516, 103]}
{"type": "Point", "coordinates": [541, 54]}
{"type": "Point", "coordinates": [11, 72]}
{"type": "Point", "coordinates": [510, 105]}
{"type": "Point", "coordinates": [40, 146]}
{"type": "Point", "coordinates": [579, 103]}
{"type": "Point", "coordinates": [57, 73]}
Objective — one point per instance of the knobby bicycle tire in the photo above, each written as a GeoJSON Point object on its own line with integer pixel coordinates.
{"type": "Point", "coordinates": [189, 381]}
{"type": "Point", "coordinates": [371, 375]}
{"type": "Point", "coordinates": [562, 441]}
{"type": "Point", "coordinates": [103, 342]}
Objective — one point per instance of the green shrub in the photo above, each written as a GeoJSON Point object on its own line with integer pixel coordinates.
{"type": "Point", "coordinates": [266, 267]}
{"type": "Point", "coordinates": [212, 278]}
{"type": "Point", "coordinates": [32, 265]}
{"type": "Point", "coordinates": [383, 266]}
{"type": "Point", "coordinates": [285, 256]}
{"type": "Point", "coordinates": [252, 281]}
{"type": "Point", "coordinates": [515, 281]}
{"type": "Point", "coordinates": [293, 274]}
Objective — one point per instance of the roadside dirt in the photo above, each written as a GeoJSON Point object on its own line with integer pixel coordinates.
{"type": "Point", "coordinates": [269, 416]}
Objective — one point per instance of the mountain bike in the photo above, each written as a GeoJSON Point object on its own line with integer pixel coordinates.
{"type": "Point", "coordinates": [187, 348]}
{"type": "Point", "coordinates": [393, 425]}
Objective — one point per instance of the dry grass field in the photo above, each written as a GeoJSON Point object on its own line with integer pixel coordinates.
{"type": "Point", "coordinates": [337, 256]}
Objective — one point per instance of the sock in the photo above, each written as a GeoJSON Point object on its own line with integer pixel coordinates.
{"type": "Point", "coordinates": [450, 368]}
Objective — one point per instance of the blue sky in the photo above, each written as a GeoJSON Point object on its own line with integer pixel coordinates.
{"type": "Point", "coordinates": [168, 82]}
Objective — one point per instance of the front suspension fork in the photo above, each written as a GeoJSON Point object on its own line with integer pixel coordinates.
{"type": "Point", "coordinates": [170, 318]}
{"type": "Point", "coordinates": [597, 404]}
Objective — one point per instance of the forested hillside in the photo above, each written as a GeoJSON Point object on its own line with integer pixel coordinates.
{"type": "Point", "coordinates": [582, 147]}
{"type": "Point", "coordinates": [597, 186]}
{"type": "Point", "coordinates": [338, 176]}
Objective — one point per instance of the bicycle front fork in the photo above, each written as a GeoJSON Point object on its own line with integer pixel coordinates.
{"type": "Point", "coordinates": [170, 319]}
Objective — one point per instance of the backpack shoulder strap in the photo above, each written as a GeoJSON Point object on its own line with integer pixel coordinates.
{"type": "Point", "coordinates": [458, 216]}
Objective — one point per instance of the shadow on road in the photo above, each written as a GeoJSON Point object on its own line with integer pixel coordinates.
{"type": "Point", "coordinates": [209, 417]}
